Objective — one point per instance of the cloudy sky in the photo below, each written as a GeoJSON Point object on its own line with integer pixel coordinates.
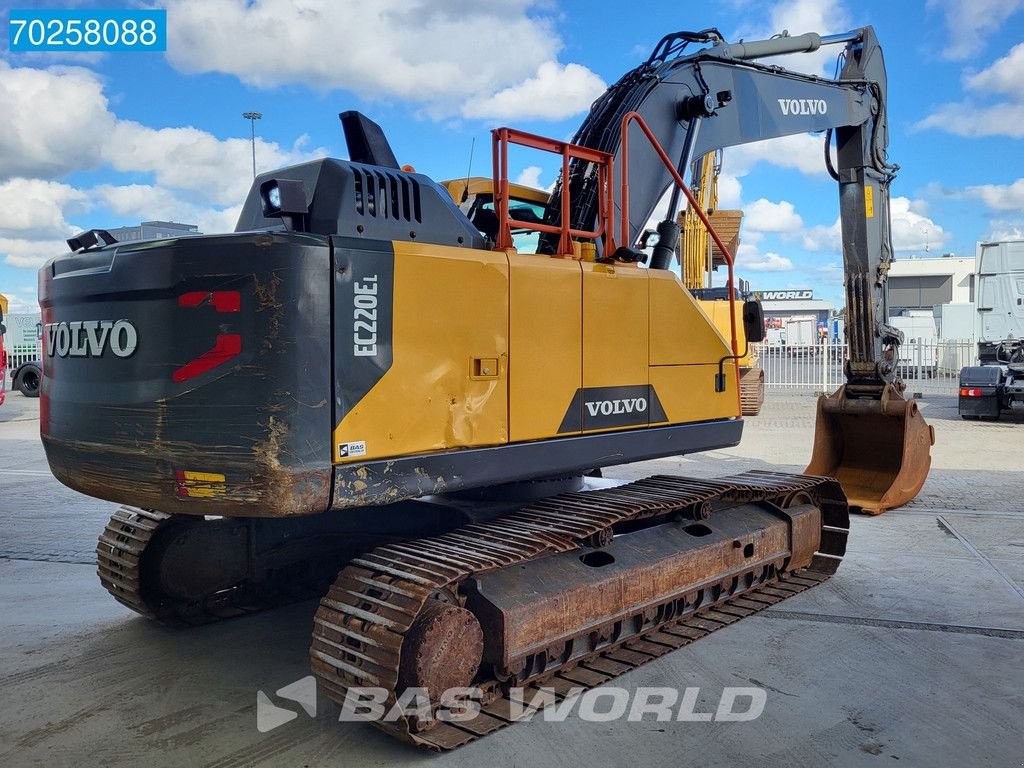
{"type": "Point", "coordinates": [106, 140]}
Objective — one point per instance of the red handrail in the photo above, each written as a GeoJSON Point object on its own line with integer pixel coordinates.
{"type": "Point", "coordinates": [501, 138]}
{"type": "Point", "coordinates": [634, 117]}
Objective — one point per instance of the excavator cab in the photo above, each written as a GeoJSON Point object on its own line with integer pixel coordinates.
{"type": "Point", "coordinates": [475, 198]}
{"type": "Point", "coordinates": [878, 450]}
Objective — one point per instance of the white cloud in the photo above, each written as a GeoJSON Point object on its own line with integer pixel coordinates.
{"type": "Point", "coordinates": [28, 304]}
{"type": "Point", "coordinates": [556, 92]}
{"type": "Point", "coordinates": [33, 226]}
{"type": "Point", "coordinates": [1005, 76]}
{"type": "Point", "coordinates": [822, 238]}
{"type": "Point", "coordinates": [54, 121]}
{"type": "Point", "coordinates": [478, 59]}
{"type": "Point", "coordinates": [1000, 197]}
{"type": "Point", "coordinates": [766, 262]}
{"type": "Point", "coordinates": [831, 273]}
{"type": "Point", "coordinates": [35, 208]}
{"type": "Point", "coordinates": [968, 21]}
{"type": "Point", "coordinates": [23, 252]}
{"type": "Point", "coordinates": [750, 258]}
{"type": "Point", "coordinates": [765, 216]}
{"type": "Point", "coordinates": [910, 230]}
{"type": "Point", "coordinates": [530, 176]}
{"type": "Point", "coordinates": [31, 246]}
{"type": "Point", "coordinates": [411, 49]}
{"type": "Point", "coordinates": [58, 120]}
{"type": "Point", "coordinates": [1003, 230]}
{"type": "Point", "coordinates": [217, 170]}
{"type": "Point", "coordinates": [730, 190]}
{"type": "Point", "coordinates": [919, 206]}
{"type": "Point", "coordinates": [751, 237]}
{"type": "Point", "coordinates": [972, 119]}
{"type": "Point", "coordinates": [135, 202]}
{"type": "Point", "coordinates": [803, 152]}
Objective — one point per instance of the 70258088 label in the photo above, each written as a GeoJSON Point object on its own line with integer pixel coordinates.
{"type": "Point", "coordinates": [87, 30]}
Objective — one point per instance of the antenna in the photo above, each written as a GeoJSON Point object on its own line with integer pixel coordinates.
{"type": "Point", "coordinates": [469, 172]}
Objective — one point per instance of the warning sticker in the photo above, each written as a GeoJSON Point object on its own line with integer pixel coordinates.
{"type": "Point", "coordinates": [351, 450]}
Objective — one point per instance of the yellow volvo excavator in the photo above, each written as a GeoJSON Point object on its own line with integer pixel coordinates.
{"type": "Point", "coordinates": [365, 395]}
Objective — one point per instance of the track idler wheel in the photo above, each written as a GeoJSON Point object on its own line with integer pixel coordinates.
{"type": "Point", "coordinates": [442, 650]}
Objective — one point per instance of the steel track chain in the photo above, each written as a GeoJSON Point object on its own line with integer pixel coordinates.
{"type": "Point", "coordinates": [121, 566]}
{"type": "Point", "coordinates": [361, 623]}
{"type": "Point", "coordinates": [119, 553]}
{"type": "Point", "coordinates": [752, 391]}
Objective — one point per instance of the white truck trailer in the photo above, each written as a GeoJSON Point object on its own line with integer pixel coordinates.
{"type": "Point", "coordinates": [997, 382]}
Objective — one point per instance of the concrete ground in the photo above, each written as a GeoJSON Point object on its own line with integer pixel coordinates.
{"type": "Point", "coordinates": [911, 653]}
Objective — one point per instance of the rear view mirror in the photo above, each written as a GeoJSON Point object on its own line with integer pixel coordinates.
{"type": "Point", "coordinates": [753, 321]}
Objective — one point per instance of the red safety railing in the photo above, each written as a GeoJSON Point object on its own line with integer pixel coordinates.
{"type": "Point", "coordinates": [502, 138]}
{"type": "Point", "coordinates": [634, 117]}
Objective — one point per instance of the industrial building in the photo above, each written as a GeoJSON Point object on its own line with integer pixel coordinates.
{"type": "Point", "coordinates": [154, 230]}
{"type": "Point", "coordinates": [933, 297]}
{"type": "Point", "coordinates": [794, 317]}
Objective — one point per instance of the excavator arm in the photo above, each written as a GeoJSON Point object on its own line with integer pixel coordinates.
{"type": "Point", "coordinates": [724, 95]}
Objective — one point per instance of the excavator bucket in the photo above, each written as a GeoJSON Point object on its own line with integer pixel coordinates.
{"type": "Point", "coordinates": [878, 450]}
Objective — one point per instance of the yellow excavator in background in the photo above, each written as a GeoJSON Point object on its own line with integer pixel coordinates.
{"type": "Point", "coordinates": [699, 256]}
{"type": "Point", "coordinates": [369, 395]}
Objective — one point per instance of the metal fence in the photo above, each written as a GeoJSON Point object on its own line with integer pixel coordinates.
{"type": "Point", "coordinates": [926, 366]}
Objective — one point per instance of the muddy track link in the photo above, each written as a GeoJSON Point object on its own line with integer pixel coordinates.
{"type": "Point", "coordinates": [752, 391]}
{"type": "Point", "coordinates": [127, 562]}
{"type": "Point", "coordinates": [119, 553]}
{"type": "Point", "coordinates": [362, 624]}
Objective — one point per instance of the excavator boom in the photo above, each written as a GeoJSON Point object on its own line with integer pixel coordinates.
{"type": "Point", "coordinates": [705, 101]}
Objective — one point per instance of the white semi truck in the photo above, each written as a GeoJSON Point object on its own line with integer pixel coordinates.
{"type": "Point", "coordinates": [996, 384]}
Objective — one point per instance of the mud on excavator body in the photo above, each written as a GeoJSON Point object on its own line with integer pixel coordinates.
{"type": "Point", "coordinates": [276, 373]}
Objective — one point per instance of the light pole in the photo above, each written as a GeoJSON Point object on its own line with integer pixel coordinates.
{"type": "Point", "coordinates": [252, 117]}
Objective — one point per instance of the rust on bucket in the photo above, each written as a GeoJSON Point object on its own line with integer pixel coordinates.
{"type": "Point", "coordinates": [878, 449]}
